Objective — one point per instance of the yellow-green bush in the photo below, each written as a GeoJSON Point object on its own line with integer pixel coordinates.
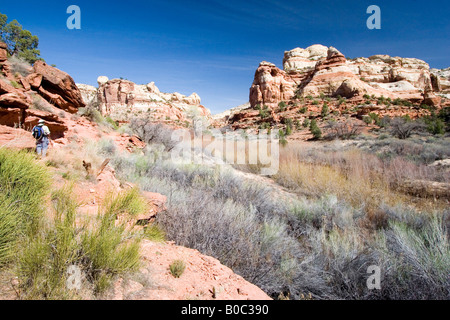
{"type": "Point", "coordinates": [24, 183]}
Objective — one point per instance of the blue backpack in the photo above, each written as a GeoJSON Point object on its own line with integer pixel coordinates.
{"type": "Point", "coordinates": [38, 132]}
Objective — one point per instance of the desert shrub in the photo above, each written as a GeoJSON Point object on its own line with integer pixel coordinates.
{"type": "Point", "coordinates": [342, 129]}
{"type": "Point", "coordinates": [444, 115]}
{"type": "Point", "coordinates": [113, 123]}
{"type": "Point", "coordinates": [306, 123]}
{"type": "Point", "coordinates": [154, 233]}
{"type": "Point", "coordinates": [282, 137]}
{"type": "Point", "coordinates": [315, 130]}
{"type": "Point", "coordinates": [434, 124]}
{"type": "Point", "coordinates": [100, 250]}
{"type": "Point", "coordinates": [417, 260]}
{"type": "Point", "coordinates": [289, 124]}
{"type": "Point", "coordinates": [367, 120]}
{"type": "Point", "coordinates": [46, 255]}
{"type": "Point", "coordinates": [19, 65]}
{"type": "Point", "coordinates": [177, 268]}
{"type": "Point", "coordinates": [403, 128]}
{"type": "Point", "coordinates": [151, 132]}
{"type": "Point", "coordinates": [40, 104]}
{"type": "Point", "coordinates": [282, 106]}
{"type": "Point", "coordinates": [107, 147]}
{"type": "Point", "coordinates": [303, 110]}
{"type": "Point", "coordinates": [23, 187]}
{"type": "Point", "coordinates": [92, 113]}
{"type": "Point", "coordinates": [110, 248]}
{"type": "Point", "coordinates": [418, 151]}
{"type": "Point", "coordinates": [263, 112]}
{"type": "Point", "coordinates": [325, 110]}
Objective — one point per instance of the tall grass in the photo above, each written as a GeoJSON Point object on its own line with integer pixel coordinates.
{"type": "Point", "coordinates": [101, 249]}
{"type": "Point", "coordinates": [23, 187]}
{"type": "Point", "coordinates": [40, 238]}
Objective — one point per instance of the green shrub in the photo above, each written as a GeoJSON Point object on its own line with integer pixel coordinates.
{"type": "Point", "coordinates": [315, 130]}
{"type": "Point", "coordinates": [101, 250]}
{"type": "Point", "coordinates": [46, 255]}
{"type": "Point", "coordinates": [24, 183]}
{"type": "Point", "coordinates": [264, 111]}
{"type": "Point", "coordinates": [367, 120]}
{"type": "Point", "coordinates": [282, 137]}
{"type": "Point", "coordinates": [306, 123]}
{"type": "Point", "coordinates": [325, 110]}
{"type": "Point", "coordinates": [154, 233]}
{"type": "Point", "coordinates": [109, 247]}
{"type": "Point", "coordinates": [177, 268]}
{"type": "Point", "coordinates": [113, 123]}
{"type": "Point", "coordinates": [303, 110]}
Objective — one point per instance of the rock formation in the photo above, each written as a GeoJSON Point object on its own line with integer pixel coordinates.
{"type": "Point", "coordinates": [38, 92]}
{"type": "Point", "coordinates": [122, 99]}
{"type": "Point", "coordinates": [271, 85]}
{"type": "Point", "coordinates": [320, 70]}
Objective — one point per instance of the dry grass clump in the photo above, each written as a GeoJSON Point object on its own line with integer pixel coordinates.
{"type": "Point", "coordinates": [177, 268]}
{"type": "Point", "coordinates": [353, 175]}
{"type": "Point", "coordinates": [351, 178]}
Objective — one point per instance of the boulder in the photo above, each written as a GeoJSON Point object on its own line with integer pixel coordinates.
{"type": "Point", "coordinates": [15, 99]}
{"type": "Point", "coordinates": [152, 88]}
{"type": "Point", "coordinates": [34, 80]}
{"type": "Point", "coordinates": [58, 87]}
{"type": "Point", "coordinates": [102, 80]}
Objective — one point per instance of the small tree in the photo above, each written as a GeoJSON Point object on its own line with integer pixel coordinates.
{"type": "Point", "coordinates": [282, 137]}
{"type": "Point", "coordinates": [315, 130]}
{"type": "Point", "coordinates": [20, 42]}
{"type": "Point", "coordinates": [325, 110]}
{"type": "Point", "coordinates": [402, 128]}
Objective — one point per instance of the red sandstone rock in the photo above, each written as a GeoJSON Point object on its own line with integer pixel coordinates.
{"type": "Point", "coordinates": [204, 278]}
{"type": "Point", "coordinates": [34, 80]}
{"type": "Point", "coordinates": [57, 83]}
{"type": "Point", "coordinates": [16, 138]}
{"type": "Point", "coordinates": [270, 86]}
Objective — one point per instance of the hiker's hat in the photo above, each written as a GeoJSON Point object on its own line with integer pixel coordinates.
{"type": "Point", "coordinates": [41, 121]}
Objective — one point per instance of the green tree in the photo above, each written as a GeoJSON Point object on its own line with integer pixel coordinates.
{"type": "Point", "coordinates": [325, 110]}
{"type": "Point", "coordinates": [315, 130]}
{"type": "Point", "coordinates": [20, 42]}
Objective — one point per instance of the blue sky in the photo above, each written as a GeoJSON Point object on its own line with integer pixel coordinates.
{"type": "Point", "coordinates": [214, 47]}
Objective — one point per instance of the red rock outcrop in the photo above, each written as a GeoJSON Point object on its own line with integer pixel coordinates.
{"type": "Point", "coordinates": [58, 87]}
{"type": "Point", "coordinates": [271, 85]}
{"type": "Point", "coordinates": [123, 99]}
{"type": "Point", "coordinates": [23, 99]}
{"type": "Point", "coordinates": [321, 70]}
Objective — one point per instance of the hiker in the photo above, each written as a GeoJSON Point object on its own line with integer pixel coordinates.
{"type": "Point", "coordinates": [41, 133]}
